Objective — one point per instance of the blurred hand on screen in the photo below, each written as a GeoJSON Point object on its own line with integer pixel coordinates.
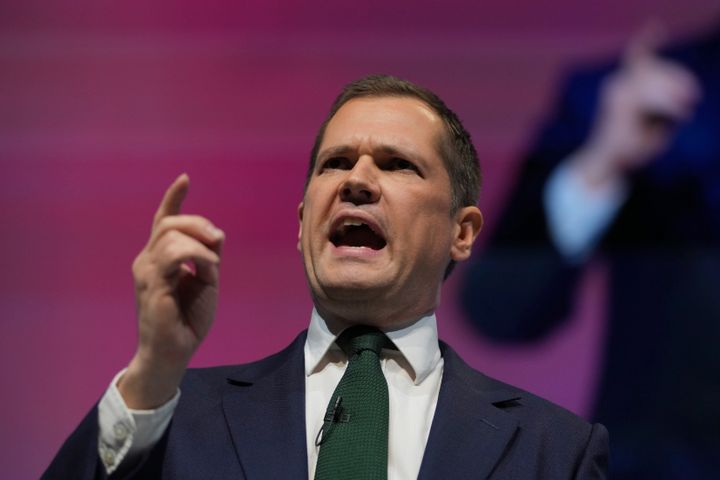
{"type": "Point", "coordinates": [641, 104]}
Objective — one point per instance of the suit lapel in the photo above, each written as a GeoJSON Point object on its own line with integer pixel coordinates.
{"type": "Point", "coordinates": [469, 433]}
{"type": "Point", "coordinates": [265, 406]}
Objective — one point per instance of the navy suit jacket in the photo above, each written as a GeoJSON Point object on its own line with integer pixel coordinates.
{"type": "Point", "coordinates": [248, 421]}
{"type": "Point", "coordinates": [659, 391]}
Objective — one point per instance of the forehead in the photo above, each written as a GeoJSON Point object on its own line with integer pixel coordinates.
{"type": "Point", "coordinates": [400, 122]}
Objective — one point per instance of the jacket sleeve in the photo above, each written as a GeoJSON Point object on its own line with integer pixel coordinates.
{"type": "Point", "coordinates": [78, 457]}
{"type": "Point", "coordinates": [520, 287]}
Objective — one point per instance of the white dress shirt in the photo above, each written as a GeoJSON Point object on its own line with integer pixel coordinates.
{"type": "Point", "coordinates": [413, 373]}
{"type": "Point", "coordinates": [126, 435]}
{"type": "Point", "coordinates": [577, 216]}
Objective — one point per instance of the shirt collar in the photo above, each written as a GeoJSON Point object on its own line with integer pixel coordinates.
{"type": "Point", "coordinates": [418, 343]}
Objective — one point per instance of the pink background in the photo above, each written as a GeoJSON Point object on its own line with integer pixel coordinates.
{"type": "Point", "coordinates": [103, 103]}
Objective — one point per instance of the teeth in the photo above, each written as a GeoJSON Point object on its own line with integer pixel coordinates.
{"type": "Point", "coordinates": [338, 238]}
{"type": "Point", "coordinates": [349, 222]}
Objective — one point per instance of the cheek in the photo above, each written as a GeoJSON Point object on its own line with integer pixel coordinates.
{"type": "Point", "coordinates": [437, 223]}
{"type": "Point", "coordinates": [318, 199]}
{"type": "Point", "coordinates": [307, 240]}
{"type": "Point", "coordinates": [311, 228]}
{"type": "Point", "coordinates": [436, 206]}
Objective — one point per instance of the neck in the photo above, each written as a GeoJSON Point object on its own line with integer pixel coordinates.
{"type": "Point", "coordinates": [338, 320]}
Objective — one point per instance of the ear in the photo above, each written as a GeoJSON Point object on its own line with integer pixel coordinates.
{"type": "Point", "coordinates": [468, 222]}
{"type": "Point", "coordinates": [300, 218]}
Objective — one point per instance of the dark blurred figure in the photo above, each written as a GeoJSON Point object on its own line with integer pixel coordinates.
{"type": "Point", "coordinates": [627, 170]}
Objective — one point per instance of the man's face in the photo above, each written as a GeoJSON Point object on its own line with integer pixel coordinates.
{"type": "Point", "coordinates": [376, 230]}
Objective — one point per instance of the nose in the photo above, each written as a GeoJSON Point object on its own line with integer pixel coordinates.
{"type": "Point", "coordinates": [360, 185]}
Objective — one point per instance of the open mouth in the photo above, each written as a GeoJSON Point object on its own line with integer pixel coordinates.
{"type": "Point", "coordinates": [356, 233]}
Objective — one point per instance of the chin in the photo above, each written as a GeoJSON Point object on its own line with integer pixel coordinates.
{"type": "Point", "coordinates": [354, 288]}
{"type": "Point", "coordinates": [351, 286]}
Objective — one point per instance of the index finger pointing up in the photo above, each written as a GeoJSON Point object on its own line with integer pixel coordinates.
{"type": "Point", "coordinates": [644, 44]}
{"type": "Point", "coordinates": [174, 196]}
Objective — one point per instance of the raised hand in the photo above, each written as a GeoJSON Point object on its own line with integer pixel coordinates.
{"type": "Point", "coordinates": [640, 106]}
{"type": "Point", "coordinates": [176, 288]}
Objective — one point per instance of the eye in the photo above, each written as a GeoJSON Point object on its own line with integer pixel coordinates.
{"type": "Point", "coordinates": [402, 164]}
{"type": "Point", "coordinates": [335, 163]}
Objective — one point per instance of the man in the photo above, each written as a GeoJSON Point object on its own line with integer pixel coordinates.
{"type": "Point", "coordinates": [626, 172]}
{"type": "Point", "coordinates": [389, 206]}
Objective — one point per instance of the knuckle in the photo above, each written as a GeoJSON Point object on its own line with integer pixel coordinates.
{"type": "Point", "coordinates": [174, 251]}
{"type": "Point", "coordinates": [140, 272]}
{"type": "Point", "coordinates": [163, 224]}
{"type": "Point", "coordinates": [172, 235]}
{"type": "Point", "coordinates": [138, 264]}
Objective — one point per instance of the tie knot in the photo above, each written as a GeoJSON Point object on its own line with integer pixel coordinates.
{"type": "Point", "coordinates": [361, 337]}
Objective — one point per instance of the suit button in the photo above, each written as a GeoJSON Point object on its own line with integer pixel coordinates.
{"type": "Point", "coordinates": [108, 458]}
{"type": "Point", "coordinates": [120, 431]}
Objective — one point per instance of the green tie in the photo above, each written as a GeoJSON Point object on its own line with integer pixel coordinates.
{"type": "Point", "coordinates": [354, 436]}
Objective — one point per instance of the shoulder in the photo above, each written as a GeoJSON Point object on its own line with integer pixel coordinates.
{"type": "Point", "coordinates": [539, 421]}
{"type": "Point", "coordinates": [517, 434]}
{"type": "Point", "coordinates": [206, 384]}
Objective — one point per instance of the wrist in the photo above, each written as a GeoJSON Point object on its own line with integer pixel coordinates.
{"type": "Point", "coordinates": [149, 384]}
{"type": "Point", "coordinates": [597, 169]}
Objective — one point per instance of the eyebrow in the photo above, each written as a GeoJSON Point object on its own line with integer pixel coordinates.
{"type": "Point", "coordinates": [388, 150]}
{"type": "Point", "coordinates": [334, 151]}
